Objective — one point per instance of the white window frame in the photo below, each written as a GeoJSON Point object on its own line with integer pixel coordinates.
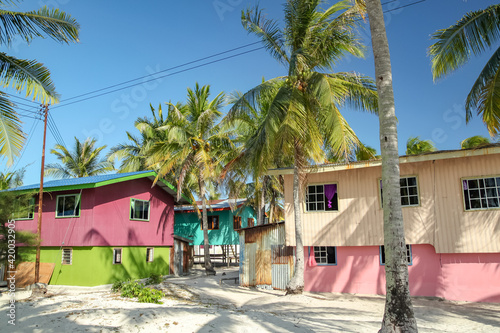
{"type": "Point", "coordinates": [322, 260]}
{"type": "Point", "coordinates": [401, 190]}
{"type": "Point", "coordinates": [132, 204]}
{"type": "Point", "coordinates": [67, 250]}
{"type": "Point", "coordinates": [486, 195]}
{"type": "Point", "coordinates": [76, 212]}
{"type": "Point", "coordinates": [31, 212]}
{"type": "Point", "coordinates": [115, 251]}
{"type": "Point", "coordinates": [150, 254]}
{"type": "Point", "coordinates": [306, 201]}
{"type": "Point", "coordinates": [409, 255]}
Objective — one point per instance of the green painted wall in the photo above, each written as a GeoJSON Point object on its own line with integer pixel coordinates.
{"type": "Point", "coordinates": [93, 266]}
{"type": "Point", "coordinates": [188, 225]}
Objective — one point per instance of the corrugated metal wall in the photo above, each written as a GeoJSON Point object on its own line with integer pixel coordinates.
{"type": "Point", "coordinates": [440, 219]}
{"type": "Point", "coordinates": [262, 248]}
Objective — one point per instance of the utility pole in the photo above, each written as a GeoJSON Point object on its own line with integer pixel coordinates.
{"type": "Point", "coordinates": [40, 197]}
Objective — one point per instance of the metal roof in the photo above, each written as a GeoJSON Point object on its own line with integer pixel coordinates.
{"type": "Point", "coordinates": [101, 180]}
{"type": "Point", "coordinates": [222, 205]}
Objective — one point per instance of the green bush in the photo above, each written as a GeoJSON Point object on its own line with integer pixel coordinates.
{"type": "Point", "coordinates": [154, 279]}
{"type": "Point", "coordinates": [133, 289]}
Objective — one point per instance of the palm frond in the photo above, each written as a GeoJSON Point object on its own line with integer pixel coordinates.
{"type": "Point", "coordinates": [475, 32]}
{"type": "Point", "coordinates": [485, 95]}
{"type": "Point", "coordinates": [11, 135]}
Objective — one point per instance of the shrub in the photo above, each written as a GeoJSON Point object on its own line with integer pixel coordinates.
{"type": "Point", "coordinates": [149, 295]}
{"type": "Point", "coordinates": [133, 289]}
{"type": "Point", "coordinates": [117, 286]}
{"type": "Point", "coordinates": [154, 279]}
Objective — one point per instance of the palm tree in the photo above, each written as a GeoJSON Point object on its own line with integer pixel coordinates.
{"type": "Point", "coordinates": [27, 75]}
{"type": "Point", "coordinates": [476, 32]}
{"type": "Point", "coordinates": [11, 179]}
{"type": "Point", "coordinates": [474, 142]}
{"type": "Point", "coordinates": [194, 148]}
{"type": "Point", "coordinates": [83, 161]}
{"type": "Point", "coordinates": [304, 114]}
{"type": "Point", "coordinates": [415, 146]}
{"type": "Point", "coordinates": [398, 314]}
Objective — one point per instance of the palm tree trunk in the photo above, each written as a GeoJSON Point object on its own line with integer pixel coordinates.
{"type": "Point", "coordinates": [209, 270]}
{"type": "Point", "coordinates": [262, 203]}
{"type": "Point", "coordinates": [296, 284]}
{"type": "Point", "coordinates": [398, 314]}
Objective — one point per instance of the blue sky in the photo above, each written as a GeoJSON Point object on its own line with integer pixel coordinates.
{"type": "Point", "coordinates": [122, 40]}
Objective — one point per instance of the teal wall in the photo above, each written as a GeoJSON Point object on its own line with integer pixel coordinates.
{"type": "Point", "coordinates": [188, 225]}
{"type": "Point", "coordinates": [93, 265]}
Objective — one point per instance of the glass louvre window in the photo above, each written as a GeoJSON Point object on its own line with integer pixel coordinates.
{"type": "Point", "coordinates": [213, 222]}
{"type": "Point", "coordinates": [117, 256]}
{"type": "Point", "coordinates": [68, 205]}
{"type": "Point", "coordinates": [408, 254]}
{"type": "Point", "coordinates": [481, 193]}
{"type": "Point", "coordinates": [139, 210]}
{"type": "Point", "coordinates": [325, 255]}
{"type": "Point", "coordinates": [322, 198]}
{"type": "Point", "coordinates": [67, 256]}
{"type": "Point", "coordinates": [408, 191]}
{"type": "Point", "coordinates": [149, 254]}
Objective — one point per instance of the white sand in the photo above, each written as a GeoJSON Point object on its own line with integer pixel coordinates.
{"type": "Point", "coordinates": [198, 303]}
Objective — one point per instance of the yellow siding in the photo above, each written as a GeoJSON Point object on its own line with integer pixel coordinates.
{"type": "Point", "coordinates": [440, 219]}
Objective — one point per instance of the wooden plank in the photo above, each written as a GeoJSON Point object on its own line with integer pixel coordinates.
{"type": "Point", "coordinates": [25, 273]}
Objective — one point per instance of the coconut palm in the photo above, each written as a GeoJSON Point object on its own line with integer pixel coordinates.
{"type": "Point", "coordinates": [476, 32]}
{"type": "Point", "coordinates": [304, 115]}
{"type": "Point", "coordinates": [27, 75]}
{"type": "Point", "coordinates": [398, 313]}
{"type": "Point", "coordinates": [11, 179]}
{"type": "Point", "coordinates": [83, 161]}
{"type": "Point", "coordinates": [474, 142]}
{"type": "Point", "coordinates": [415, 146]}
{"type": "Point", "coordinates": [194, 148]}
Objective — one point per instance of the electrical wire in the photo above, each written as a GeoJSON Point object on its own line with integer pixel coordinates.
{"type": "Point", "coordinates": [30, 136]}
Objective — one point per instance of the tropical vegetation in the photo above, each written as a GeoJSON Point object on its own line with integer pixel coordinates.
{"type": "Point", "coordinates": [415, 146]}
{"type": "Point", "coordinates": [82, 161]}
{"type": "Point", "coordinates": [475, 141]}
{"type": "Point", "coordinates": [27, 75]}
{"type": "Point", "coordinates": [473, 34]}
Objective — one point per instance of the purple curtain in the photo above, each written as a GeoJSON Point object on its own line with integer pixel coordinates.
{"type": "Point", "coordinates": [465, 185]}
{"type": "Point", "coordinates": [330, 191]}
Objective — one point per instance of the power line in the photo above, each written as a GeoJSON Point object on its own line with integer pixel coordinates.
{"type": "Point", "coordinates": [163, 71]}
{"type": "Point", "coordinates": [30, 136]}
{"type": "Point", "coordinates": [55, 130]}
{"type": "Point", "coordinates": [159, 77]}
{"type": "Point", "coordinates": [408, 5]}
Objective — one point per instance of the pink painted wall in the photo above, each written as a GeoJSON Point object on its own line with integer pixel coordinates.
{"type": "Point", "coordinates": [104, 218]}
{"type": "Point", "coordinates": [459, 277]}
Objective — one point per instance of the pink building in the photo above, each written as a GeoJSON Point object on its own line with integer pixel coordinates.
{"type": "Point", "coordinates": [451, 208]}
{"type": "Point", "coordinates": [100, 229]}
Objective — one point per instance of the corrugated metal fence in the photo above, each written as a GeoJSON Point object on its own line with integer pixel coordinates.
{"type": "Point", "coordinates": [264, 259]}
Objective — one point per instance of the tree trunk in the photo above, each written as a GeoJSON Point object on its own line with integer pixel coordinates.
{"type": "Point", "coordinates": [209, 270]}
{"type": "Point", "coordinates": [262, 203]}
{"type": "Point", "coordinates": [296, 284]}
{"type": "Point", "coordinates": [398, 314]}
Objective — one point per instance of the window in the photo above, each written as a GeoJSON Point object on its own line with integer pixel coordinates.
{"type": "Point", "coordinates": [408, 191]}
{"type": "Point", "coordinates": [481, 193]}
{"type": "Point", "coordinates": [325, 255]}
{"type": "Point", "coordinates": [149, 254]}
{"type": "Point", "coordinates": [25, 213]}
{"type": "Point", "coordinates": [139, 210]}
{"type": "Point", "coordinates": [213, 222]}
{"type": "Point", "coordinates": [250, 222]}
{"type": "Point", "coordinates": [117, 256]}
{"type": "Point", "coordinates": [68, 205]}
{"type": "Point", "coordinates": [408, 254]}
{"type": "Point", "coordinates": [236, 222]}
{"type": "Point", "coordinates": [322, 198]}
{"type": "Point", "coordinates": [67, 256]}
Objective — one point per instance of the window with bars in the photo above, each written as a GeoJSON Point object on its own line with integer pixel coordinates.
{"type": "Point", "coordinates": [213, 222]}
{"type": "Point", "coordinates": [325, 255]}
{"type": "Point", "coordinates": [408, 254]}
{"type": "Point", "coordinates": [117, 256]}
{"type": "Point", "coordinates": [149, 254]}
{"type": "Point", "coordinates": [236, 222]}
{"type": "Point", "coordinates": [408, 191]}
{"type": "Point", "coordinates": [139, 210]}
{"type": "Point", "coordinates": [322, 197]}
{"type": "Point", "coordinates": [481, 193]}
{"type": "Point", "coordinates": [68, 205]}
{"type": "Point", "coordinates": [67, 256]}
